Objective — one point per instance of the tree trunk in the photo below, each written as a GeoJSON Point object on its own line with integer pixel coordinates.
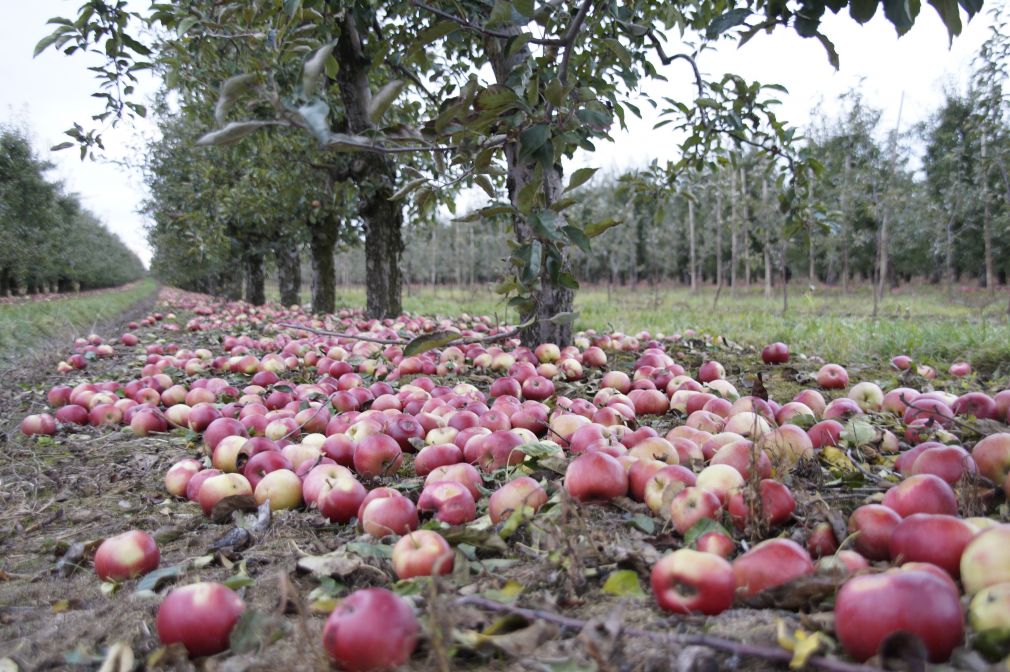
{"type": "Point", "coordinates": [845, 227]}
{"type": "Point", "coordinates": [375, 179]}
{"type": "Point", "coordinates": [323, 239]}
{"type": "Point", "coordinates": [289, 273]}
{"type": "Point", "coordinates": [548, 298]}
{"type": "Point", "coordinates": [785, 277]}
{"type": "Point", "coordinates": [255, 280]}
{"type": "Point", "coordinates": [718, 238]}
{"type": "Point", "coordinates": [949, 257]}
{"type": "Point", "coordinates": [767, 238]}
{"type": "Point", "coordinates": [990, 282]}
{"type": "Point", "coordinates": [734, 213]}
{"type": "Point", "coordinates": [745, 234]}
{"type": "Point", "coordinates": [230, 281]}
{"type": "Point", "coordinates": [693, 250]}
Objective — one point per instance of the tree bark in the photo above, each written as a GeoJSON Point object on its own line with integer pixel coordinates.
{"type": "Point", "coordinates": [375, 179]}
{"type": "Point", "coordinates": [767, 238]}
{"type": "Point", "coordinates": [733, 227]}
{"type": "Point", "coordinates": [289, 273]}
{"type": "Point", "coordinates": [990, 281]}
{"type": "Point", "coordinates": [548, 298]}
{"type": "Point", "coordinates": [845, 226]}
{"type": "Point", "coordinates": [323, 240]}
{"type": "Point", "coordinates": [255, 280]}
{"type": "Point", "coordinates": [745, 235]}
{"type": "Point", "coordinates": [693, 251]}
{"type": "Point", "coordinates": [718, 238]}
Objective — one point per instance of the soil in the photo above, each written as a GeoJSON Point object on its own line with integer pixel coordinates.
{"type": "Point", "coordinates": [60, 497]}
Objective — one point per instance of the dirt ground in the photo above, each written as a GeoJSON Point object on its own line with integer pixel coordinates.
{"type": "Point", "coordinates": [60, 497]}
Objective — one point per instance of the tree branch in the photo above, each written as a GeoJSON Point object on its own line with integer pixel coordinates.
{"type": "Point", "coordinates": [548, 42]}
{"type": "Point", "coordinates": [569, 39]}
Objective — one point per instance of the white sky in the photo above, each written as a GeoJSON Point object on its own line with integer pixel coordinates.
{"type": "Point", "coordinates": [51, 92]}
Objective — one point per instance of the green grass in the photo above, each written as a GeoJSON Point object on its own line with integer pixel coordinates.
{"type": "Point", "coordinates": [918, 321]}
{"type": "Point", "coordinates": [31, 323]}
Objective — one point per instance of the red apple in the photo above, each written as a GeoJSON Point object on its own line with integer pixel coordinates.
{"type": "Point", "coordinates": [422, 553]}
{"type": "Point", "coordinates": [932, 538]}
{"type": "Point", "coordinates": [595, 476]}
{"type": "Point", "coordinates": [871, 607]}
{"type": "Point", "coordinates": [377, 455]}
{"type": "Point", "coordinates": [691, 505]}
{"type": "Point", "coordinates": [340, 498]}
{"type": "Point", "coordinates": [450, 502]}
{"type": "Point", "coordinates": [775, 353]}
{"type": "Point", "coordinates": [126, 556]}
{"type": "Point", "coordinates": [711, 370]}
{"type": "Point", "coordinates": [515, 495]}
{"type": "Point", "coordinates": [179, 474]}
{"type": "Point", "coordinates": [716, 542]}
{"type": "Point", "coordinates": [688, 581]}
{"type": "Point", "coordinates": [769, 564]}
{"type": "Point", "coordinates": [41, 423]}
{"type": "Point", "coordinates": [822, 541]}
{"type": "Point", "coordinates": [216, 488]}
{"type": "Point", "coordinates": [199, 616]}
{"type": "Point", "coordinates": [832, 377]}
{"type": "Point", "coordinates": [388, 515]}
{"type": "Point", "coordinates": [950, 463]}
{"type": "Point", "coordinates": [537, 388]}
{"type": "Point", "coordinates": [924, 493]}
{"type": "Point", "coordinates": [873, 525]}
{"type": "Point", "coordinates": [992, 457]}
{"type": "Point", "coordinates": [371, 629]}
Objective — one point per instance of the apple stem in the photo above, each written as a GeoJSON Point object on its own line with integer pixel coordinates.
{"type": "Point", "coordinates": [729, 646]}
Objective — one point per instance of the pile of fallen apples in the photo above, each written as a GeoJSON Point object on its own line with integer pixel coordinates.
{"type": "Point", "coordinates": [320, 445]}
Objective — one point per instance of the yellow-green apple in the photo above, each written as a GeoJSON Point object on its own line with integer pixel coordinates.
{"type": "Point", "coordinates": [986, 559]}
{"type": "Point", "coordinates": [216, 488]}
{"type": "Point", "coordinates": [868, 396]}
{"type": "Point", "coordinates": [282, 487]}
{"type": "Point", "coordinates": [721, 479]}
{"type": "Point", "coordinates": [690, 582]}
{"type": "Point", "coordinates": [664, 485]}
{"type": "Point", "coordinates": [199, 616]}
{"type": "Point", "coordinates": [126, 556]}
{"type": "Point", "coordinates": [992, 457]}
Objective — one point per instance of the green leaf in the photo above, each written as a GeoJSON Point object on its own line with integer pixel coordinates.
{"type": "Point", "coordinates": [643, 522]}
{"type": "Point", "coordinates": [153, 580]}
{"type": "Point", "coordinates": [238, 581]}
{"type": "Point", "coordinates": [316, 115]}
{"type": "Point", "coordinates": [46, 42]}
{"type": "Point", "coordinates": [532, 139]}
{"type": "Point", "coordinates": [563, 318]}
{"type": "Point", "coordinates": [724, 22]}
{"type": "Point", "coordinates": [524, 7]}
{"type": "Point", "coordinates": [544, 224]}
{"type": "Point", "coordinates": [61, 146]}
{"type": "Point", "coordinates": [554, 92]}
{"type": "Point", "coordinates": [950, 15]}
{"type": "Point", "coordinates": [495, 98]}
{"type": "Point", "coordinates": [292, 7]}
{"type": "Point", "coordinates": [702, 527]}
{"type": "Point", "coordinates": [619, 50]}
{"type": "Point", "coordinates": [342, 142]}
{"type": "Point", "coordinates": [185, 25]}
{"type": "Point", "coordinates": [862, 10]}
{"type": "Point", "coordinates": [829, 47]}
{"type": "Point", "coordinates": [426, 342]}
{"type": "Point", "coordinates": [596, 228]}
{"type": "Point", "coordinates": [232, 133]}
{"type": "Point", "coordinates": [622, 583]}
{"type": "Point", "coordinates": [858, 433]}
{"type": "Point", "coordinates": [578, 238]}
{"type": "Point", "coordinates": [484, 182]}
{"type": "Point", "coordinates": [901, 13]}
{"type": "Point", "coordinates": [435, 32]}
{"type": "Point", "coordinates": [383, 98]}
{"type": "Point", "coordinates": [580, 177]}
{"type": "Point", "coordinates": [536, 254]}
{"type": "Point", "coordinates": [313, 70]}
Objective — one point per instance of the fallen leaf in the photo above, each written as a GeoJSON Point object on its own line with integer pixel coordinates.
{"type": "Point", "coordinates": [622, 583]}
{"type": "Point", "coordinates": [335, 565]}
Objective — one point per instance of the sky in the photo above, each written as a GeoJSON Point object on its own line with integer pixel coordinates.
{"type": "Point", "coordinates": [49, 93]}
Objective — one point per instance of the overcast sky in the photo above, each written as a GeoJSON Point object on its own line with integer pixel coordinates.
{"type": "Point", "coordinates": [51, 92]}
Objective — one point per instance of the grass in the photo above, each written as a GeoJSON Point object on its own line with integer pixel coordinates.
{"type": "Point", "coordinates": [916, 320]}
{"type": "Point", "coordinates": [27, 324]}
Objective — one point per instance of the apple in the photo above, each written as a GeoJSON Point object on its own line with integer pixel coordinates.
{"type": "Point", "coordinates": [691, 505]}
{"type": "Point", "coordinates": [796, 413]}
{"type": "Point", "coordinates": [769, 564]}
{"type": "Point", "coordinates": [832, 377]}
{"type": "Point", "coordinates": [126, 556]}
{"type": "Point", "coordinates": [822, 540]}
{"type": "Point", "coordinates": [868, 396]}
{"type": "Point", "coordinates": [776, 507]}
{"type": "Point", "coordinates": [72, 414]}
{"type": "Point", "coordinates": [216, 488]}
{"type": "Point", "coordinates": [218, 429]}
{"type": "Point", "coordinates": [41, 423]}
{"type": "Point", "coordinates": [720, 479]}
{"type": "Point", "coordinates": [872, 525]}
{"type": "Point", "coordinates": [844, 562]}
{"type": "Point", "coordinates": [825, 433]}
{"type": "Point", "coordinates": [989, 613]}
{"type": "Point", "coordinates": [688, 581]}
{"type": "Point", "coordinates": [437, 455]}
{"type": "Point", "coordinates": [179, 474]}
{"type": "Point", "coordinates": [59, 395]}
{"type": "Point", "coordinates": [377, 455]}
{"type": "Point", "coordinates": [403, 429]}
{"type": "Point", "coordinates": [716, 542]}
{"type": "Point", "coordinates": [870, 608]}
{"type": "Point", "coordinates": [933, 538]}
{"type": "Point", "coordinates": [282, 487]}
{"type": "Point", "coordinates": [929, 409]}
{"type": "Point", "coordinates": [655, 448]}
{"type": "Point", "coordinates": [340, 498]}
{"type": "Point", "coordinates": [595, 476]}
{"type": "Point", "coordinates": [196, 482]}
{"type": "Point", "coordinates": [515, 495]}
{"type": "Point", "coordinates": [451, 502]}
{"type": "Point", "coordinates": [813, 400]}
{"type": "Point", "coordinates": [664, 485]}
{"type": "Point", "coordinates": [320, 477]}
{"type": "Point", "coordinates": [148, 421]}
{"type": "Point", "coordinates": [711, 370]}
{"type": "Point", "coordinates": [649, 402]}
{"type": "Point", "coordinates": [897, 400]}
{"type": "Point", "coordinates": [745, 457]}
{"type": "Point", "coordinates": [923, 493]}
{"type": "Point", "coordinates": [992, 457]}
{"type": "Point", "coordinates": [388, 515]}
{"type": "Point", "coordinates": [977, 404]}
{"type": "Point", "coordinates": [201, 415]}
{"type": "Point", "coordinates": [775, 353]}
{"type": "Point", "coordinates": [422, 553]}
{"type": "Point", "coordinates": [950, 463]}
{"type": "Point", "coordinates": [986, 559]}
{"type": "Point", "coordinates": [618, 380]}
{"type": "Point", "coordinates": [371, 629]}
{"type": "Point", "coordinates": [747, 424]}
{"type": "Point", "coordinates": [462, 472]}
{"type": "Point", "coordinates": [786, 445]}
{"type": "Point", "coordinates": [199, 616]}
